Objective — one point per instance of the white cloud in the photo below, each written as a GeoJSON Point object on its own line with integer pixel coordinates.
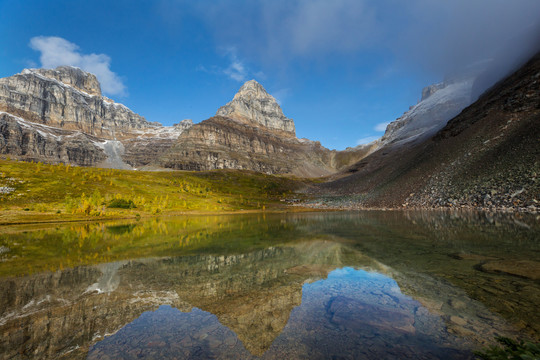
{"type": "Point", "coordinates": [236, 70]}
{"type": "Point", "coordinates": [366, 140]}
{"type": "Point", "coordinates": [56, 51]}
{"type": "Point", "coordinates": [31, 64]}
{"type": "Point", "coordinates": [282, 29]}
{"type": "Point", "coordinates": [440, 37]}
{"type": "Point", "coordinates": [327, 26]}
{"type": "Point", "coordinates": [381, 126]}
{"type": "Point", "coordinates": [280, 95]}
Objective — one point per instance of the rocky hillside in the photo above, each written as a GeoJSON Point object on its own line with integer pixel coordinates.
{"type": "Point", "coordinates": [59, 115]}
{"type": "Point", "coordinates": [251, 133]}
{"type": "Point", "coordinates": [440, 103]}
{"type": "Point", "coordinates": [488, 156]}
{"type": "Point", "coordinates": [223, 143]}
{"type": "Point", "coordinates": [253, 105]}
{"type": "Point", "coordinates": [67, 98]}
{"type": "Point", "coordinates": [144, 149]}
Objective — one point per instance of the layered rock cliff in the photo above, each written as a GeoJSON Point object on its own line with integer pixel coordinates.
{"type": "Point", "coordinates": [148, 146]}
{"type": "Point", "coordinates": [60, 115]}
{"type": "Point", "coordinates": [67, 98]}
{"type": "Point", "coordinates": [35, 142]}
{"type": "Point", "coordinates": [253, 105]}
{"type": "Point", "coordinates": [251, 133]}
{"type": "Point", "coordinates": [223, 143]}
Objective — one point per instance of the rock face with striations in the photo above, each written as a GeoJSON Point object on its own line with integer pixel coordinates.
{"type": "Point", "coordinates": [222, 143]}
{"type": "Point", "coordinates": [60, 115]}
{"type": "Point", "coordinates": [253, 105]}
{"type": "Point", "coordinates": [67, 98]}
{"type": "Point", "coordinates": [249, 133]}
{"type": "Point", "coordinates": [149, 145]}
{"type": "Point", "coordinates": [35, 142]}
{"type": "Point", "coordinates": [72, 76]}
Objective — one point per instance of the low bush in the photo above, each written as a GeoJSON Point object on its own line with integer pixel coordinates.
{"type": "Point", "coordinates": [121, 204]}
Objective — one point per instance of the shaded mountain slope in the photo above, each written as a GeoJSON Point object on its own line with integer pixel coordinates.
{"type": "Point", "coordinates": [487, 156]}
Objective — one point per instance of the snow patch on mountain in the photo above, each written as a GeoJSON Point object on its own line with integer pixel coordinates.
{"type": "Point", "coordinates": [440, 103]}
{"type": "Point", "coordinates": [114, 150]}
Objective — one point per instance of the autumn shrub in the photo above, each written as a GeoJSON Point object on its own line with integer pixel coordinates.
{"type": "Point", "coordinates": [121, 204]}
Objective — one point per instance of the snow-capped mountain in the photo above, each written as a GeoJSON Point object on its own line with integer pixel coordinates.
{"type": "Point", "coordinates": [440, 103]}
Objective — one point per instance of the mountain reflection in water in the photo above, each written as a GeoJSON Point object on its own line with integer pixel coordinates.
{"type": "Point", "coordinates": [346, 285]}
{"type": "Point", "coordinates": [352, 312]}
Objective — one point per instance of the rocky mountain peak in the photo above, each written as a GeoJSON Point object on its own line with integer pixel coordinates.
{"type": "Point", "coordinates": [68, 98]}
{"type": "Point", "coordinates": [252, 104]}
{"type": "Point", "coordinates": [440, 103]}
{"type": "Point", "coordinates": [71, 76]}
{"type": "Point", "coordinates": [184, 124]}
{"type": "Point", "coordinates": [432, 89]}
{"type": "Point", "coordinates": [254, 88]}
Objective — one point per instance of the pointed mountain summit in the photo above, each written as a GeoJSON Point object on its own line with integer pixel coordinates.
{"type": "Point", "coordinates": [252, 104]}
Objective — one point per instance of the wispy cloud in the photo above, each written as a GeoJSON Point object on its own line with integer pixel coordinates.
{"type": "Point", "coordinates": [236, 69]}
{"type": "Point", "coordinates": [56, 51]}
{"type": "Point", "coordinates": [322, 26]}
{"type": "Point", "coordinates": [381, 126]}
{"type": "Point", "coordinates": [280, 95]}
{"type": "Point", "coordinates": [366, 140]}
{"type": "Point", "coordinates": [281, 29]}
{"type": "Point", "coordinates": [436, 36]}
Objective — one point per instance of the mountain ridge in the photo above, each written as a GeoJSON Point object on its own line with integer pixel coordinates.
{"type": "Point", "coordinates": [253, 104]}
{"type": "Point", "coordinates": [47, 109]}
{"type": "Point", "coordinates": [486, 157]}
{"type": "Point", "coordinates": [58, 120]}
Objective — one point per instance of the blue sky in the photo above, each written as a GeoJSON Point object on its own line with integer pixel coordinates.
{"type": "Point", "coordinates": [341, 69]}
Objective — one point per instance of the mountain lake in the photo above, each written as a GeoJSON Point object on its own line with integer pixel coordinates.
{"type": "Point", "coordinates": [325, 285]}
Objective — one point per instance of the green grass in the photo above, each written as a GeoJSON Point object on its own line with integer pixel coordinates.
{"type": "Point", "coordinates": [44, 192]}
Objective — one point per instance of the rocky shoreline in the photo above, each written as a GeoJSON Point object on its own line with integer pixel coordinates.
{"type": "Point", "coordinates": [351, 203]}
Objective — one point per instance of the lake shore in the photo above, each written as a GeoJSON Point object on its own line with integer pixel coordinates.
{"type": "Point", "coordinates": [348, 205]}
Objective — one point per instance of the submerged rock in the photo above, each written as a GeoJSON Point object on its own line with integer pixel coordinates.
{"type": "Point", "coordinates": [524, 268]}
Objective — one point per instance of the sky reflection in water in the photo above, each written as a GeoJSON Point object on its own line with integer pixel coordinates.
{"type": "Point", "coordinates": [351, 314]}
